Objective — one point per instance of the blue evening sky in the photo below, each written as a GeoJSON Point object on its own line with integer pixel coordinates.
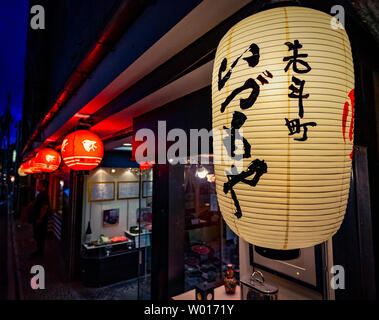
{"type": "Point", "coordinates": [13, 28]}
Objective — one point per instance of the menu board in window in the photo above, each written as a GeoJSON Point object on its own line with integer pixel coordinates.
{"type": "Point", "coordinates": [127, 190]}
{"type": "Point", "coordinates": [101, 191]}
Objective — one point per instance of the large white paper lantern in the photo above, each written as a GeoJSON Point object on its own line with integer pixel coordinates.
{"type": "Point", "coordinates": [260, 66]}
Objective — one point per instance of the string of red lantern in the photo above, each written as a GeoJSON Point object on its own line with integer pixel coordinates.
{"type": "Point", "coordinates": [82, 150]}
{"type": "Point", "coordinates": [146, 165]}
{"type": "Point", "coordinates": [47, 160]}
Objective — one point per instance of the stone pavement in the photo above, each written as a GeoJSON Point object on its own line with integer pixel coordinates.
{"type": "Point", "coordinates": [56, 288]}
{"type": "Point", "coordinates": [3, 252]}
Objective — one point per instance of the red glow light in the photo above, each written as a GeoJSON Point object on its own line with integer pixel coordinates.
{"type": "Point", "coordinates": [82, 150]}
{"type": "Point", "coordinates": [48, 160]}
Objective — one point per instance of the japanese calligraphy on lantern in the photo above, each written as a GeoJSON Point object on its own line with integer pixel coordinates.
{"type": "Point", "coordinates": [281, 85]}
{"type": "Point", "coordinates": [82, 150]}
{"type": "Point", "coordinates": [257, 167]}
{"type": "Point", "coordinates": [295, 61]}
{"type": "Point", "coordinates": [348, 107]}
{"type": "Point", "coordinates": [48, 160]}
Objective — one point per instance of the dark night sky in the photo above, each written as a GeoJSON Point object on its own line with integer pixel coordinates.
{"type": "Point", "coordinates": [13, 27]}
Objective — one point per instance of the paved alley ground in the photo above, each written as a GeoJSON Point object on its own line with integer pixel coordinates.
{"type": "Point", "coordinates": [55, 287]}
{"type": "Point", "coordinates": [3, 252]}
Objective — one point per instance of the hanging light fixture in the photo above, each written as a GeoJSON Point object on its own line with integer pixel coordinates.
{"type": "Point", "coordinates": [48, 160]}
{"type": "Point", "coordinates": [201, 172]}
{"type": "Point", "coordinates": [82, 150]}
{"type": "Point", "coordinates": [284, 79]}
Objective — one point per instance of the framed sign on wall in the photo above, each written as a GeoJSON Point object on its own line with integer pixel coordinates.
{"type": "Point", "coordinates": [111, 217]}
{"type": "Point", "coordinates": [127, 190]}
{"type": "Point", "coordinates": [101, 191]}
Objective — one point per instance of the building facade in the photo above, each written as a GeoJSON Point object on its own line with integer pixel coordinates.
{"type": "Point", "coordinates": [120, 66]}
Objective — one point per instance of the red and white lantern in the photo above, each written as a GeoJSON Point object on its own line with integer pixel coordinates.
{"type": "Point", "coordinates": [21, 170]}
{"type": "Point", "coordinates": [48, 160]}
{"type": "Point", "coordinates": [82, 150]}
{"type": "Point", "coordinates": [146, 165]}
{"type": "Point", "coordinates": [26, 167]}
{"type": "Point", "coordinates": [33, 166]}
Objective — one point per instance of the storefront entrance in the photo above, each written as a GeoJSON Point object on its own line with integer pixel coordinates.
{"type": "Point", "coordinates": [116, 230]}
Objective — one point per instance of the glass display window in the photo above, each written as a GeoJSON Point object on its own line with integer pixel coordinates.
{"type": "Point", "coordinates": [116, 206]}
{"type": "Point", "coordinates": [117, 227]}
{"type": "Point", "coordinates": [209, 245]}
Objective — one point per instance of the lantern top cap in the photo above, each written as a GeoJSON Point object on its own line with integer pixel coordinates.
{"type": "Point", "coordinates": [82, 131]}
{"type": "Point", "coordinates": [278, 8]}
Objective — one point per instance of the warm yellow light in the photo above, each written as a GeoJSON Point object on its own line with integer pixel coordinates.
{"type": "Point", "coordinates": [301, 200]}
{"type": "Point", "coordinates": [201, 172]}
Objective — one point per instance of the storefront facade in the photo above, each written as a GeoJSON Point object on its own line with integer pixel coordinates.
{"type": "Point", "coordinates": [160, 73]}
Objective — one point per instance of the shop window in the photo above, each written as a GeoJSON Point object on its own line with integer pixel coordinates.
{"type": "Point", "coordinates": [209, 245]}
{"type": "Point", "coordinates": [117, 228]}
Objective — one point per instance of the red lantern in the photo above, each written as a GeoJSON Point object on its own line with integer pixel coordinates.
{"type": "Point", "coordinates": [82, 150]}
{"type": "Point", "coordinates": [33, 166]}
{"type": "Point", "coordinates": [146, 165]}
{"type": "Point", "coordinates": [21, 170]}
{"type": "Point", "coordinates": [48, 160]}
{"type": "Point", "coordinates": [26, 167]}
